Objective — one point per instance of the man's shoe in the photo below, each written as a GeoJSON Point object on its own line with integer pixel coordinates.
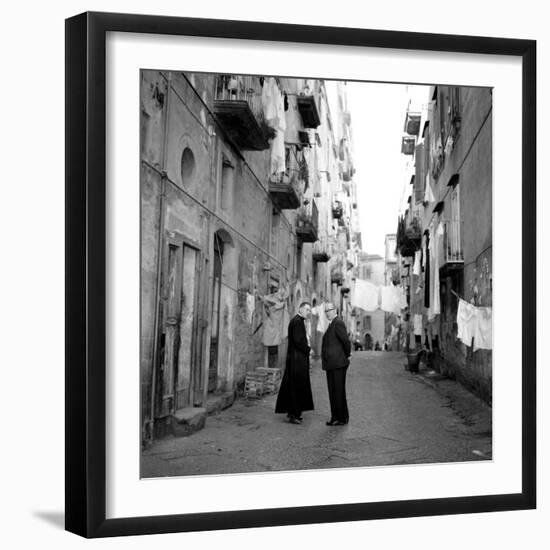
{"type": "Point", "coordinates": [339, 423]}
{"type": "Point", "coordinates": [331, 422]}
{"type": "Point", "coordinates": [293, 420]}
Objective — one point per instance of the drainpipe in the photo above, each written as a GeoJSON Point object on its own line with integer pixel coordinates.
{"type": "Point", "coordinates": [206, 313]}
{"type": "Point", "coordinates": [151, 420]}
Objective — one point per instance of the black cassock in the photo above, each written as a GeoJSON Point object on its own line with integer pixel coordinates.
{"type": "Point", "coordinates": [295, 391]}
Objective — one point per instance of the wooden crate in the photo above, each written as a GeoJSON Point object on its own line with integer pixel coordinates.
{"type": "Point", "coordinates": [254, 384]}
{"type": "Point", "coordinates": [273, 378]}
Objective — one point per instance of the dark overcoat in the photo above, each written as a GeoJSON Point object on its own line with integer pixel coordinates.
{"type": "Point", "coordinates": [295, 391]}
{"type": "Point", "coordinates": [336, 347]}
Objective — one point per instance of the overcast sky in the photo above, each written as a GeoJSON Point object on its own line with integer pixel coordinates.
{"type": "Point", "coordinates": [378, 116]}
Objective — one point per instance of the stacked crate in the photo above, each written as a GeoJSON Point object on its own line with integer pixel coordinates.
{"type": "Point", "coordinates": [273, 377]}
{"type": "Point", "coordinates": [254, 385]}
{"type": "Point", "coordinates": [262, 381]}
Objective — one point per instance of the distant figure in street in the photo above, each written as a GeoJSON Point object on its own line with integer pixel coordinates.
{"type": "Point", "coordinates": [377, 346]}
{"type": "Point", "coordinates": [335, 354]}
{"type": "Point", "coordinates": [295, 391]}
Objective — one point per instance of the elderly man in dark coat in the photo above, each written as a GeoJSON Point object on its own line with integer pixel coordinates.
{"type": "Point", "coordinates": [335, 355]}
{"type": "Point", "coordinates": [295, 391]}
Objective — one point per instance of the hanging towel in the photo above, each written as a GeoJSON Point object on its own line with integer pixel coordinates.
{"type": "Point", "coordinates": [274, 114]}
{"type": "Point", "coordinates": [250, 306]}
{"type": "Point", "coordinates": [402, 298]}
{"type": "Point", "coordinates": [435, 308]}
{"type": "Point", "coordinates": [417, 324]}
{"type": "Point", "coordinates": [483, 332]}
{"type": "Point", "coordinates": [365, 295]}
{"type": "Point", "coordinates": [391, 299]}
{"type": "Point", "coordinates": [274, 319]}
{"type": "Point", "coordinates": [428, 193]}
{"type": "Point", "coordinates": [427, 273]}
{"type": "Point", "coordinates": [270, 93]}
{"type": "Point", "coordinates": [416, 266]}
{"type": "Point", "coordinates": [466, 321]}
{"type": "Point", "coordinates": [322, 321]}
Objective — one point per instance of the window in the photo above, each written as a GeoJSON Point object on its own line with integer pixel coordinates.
{"type": "Point", "coordinates": [367, 322]}
{"type": "Point", "coordinates": [226, 191]}
{"type": "Point", "coordinates": [275, 228]}
{"type": "Point", "coordinates": [187, 166]}
{"type": "Point", "coordinates": [298, 261]}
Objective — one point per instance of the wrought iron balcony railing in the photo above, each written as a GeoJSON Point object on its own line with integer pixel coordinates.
{"type": "Point", "coordinates": [412, 124]}
{"type": "Point", "coordinates": [285, 191]}
{"type": "Point", "coordinates": [307, 223]}
{"type": "Point", "coordinates": [408, 145]}
{"type": "Point", "coordinates": [322, 250]}
{"type": "Point", "coordinates": [337, 210]}
{"type": "Point", "coordinates": [238, 108]}
{"type": "Point", "coordinates": [453, 252]}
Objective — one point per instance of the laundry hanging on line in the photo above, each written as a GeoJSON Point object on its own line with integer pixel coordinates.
{"type": "Point", "coordinates": [370, 297]}
{"type": "Point", "coordinates": [275, 320]}
{"type": "Point", "coordinates": [475, 323]}
{"type": "Point", "coordinates": [250, 307]}
{"type": "Point", "coordinates": [435, 304]}
{"type": "Point", "coordinates": [365, 295]}
{"type": "Point", "coordinates": [418, 324]}
{"type": "Point", "coordinates": [274, 114]}
{"type": "Point", "coordinates": [322, 321]}
{"type": "Point", "coordinates": [416, 265]}
{"type": "Point", "coordinates": [392, 299]}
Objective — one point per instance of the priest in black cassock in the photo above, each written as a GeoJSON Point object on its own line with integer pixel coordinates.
{"type": "Point", "coordinates": [295, 392]}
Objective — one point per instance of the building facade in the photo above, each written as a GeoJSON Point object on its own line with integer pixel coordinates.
{"type": "Point", "coordinates": [447, 224]}
{"type": "Point", "coordinates": [371, 325]}
{"type": "Point", "coordinates": [247, 209]}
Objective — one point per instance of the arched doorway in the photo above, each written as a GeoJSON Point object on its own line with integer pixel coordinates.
{"type": "Point", "coordinates": [222, 260]}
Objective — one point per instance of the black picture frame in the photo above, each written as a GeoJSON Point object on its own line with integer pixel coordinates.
{"type": "Point", "coordinates": [86, 274]}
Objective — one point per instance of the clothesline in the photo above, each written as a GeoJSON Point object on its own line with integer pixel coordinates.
{"type": "Point", "coordinates": [371, 297]}
{"type": "Point", "coordinates": [456, 294]}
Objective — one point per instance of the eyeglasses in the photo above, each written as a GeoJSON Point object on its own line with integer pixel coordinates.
{"type": "Point", "coordinates": [331, 309]}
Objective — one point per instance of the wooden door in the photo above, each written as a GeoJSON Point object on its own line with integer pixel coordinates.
{"type": "Point", "coordinates": [216, 302]}
{"type": "Point", "coordinates": [169, 329]}
{"type": "Point", "coordinates": [188, 325]}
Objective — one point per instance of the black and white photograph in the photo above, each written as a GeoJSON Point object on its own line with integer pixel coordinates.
{"type": "Point", "coordinates": [274, 275]}
{"type": "Point", "coordinates": [316, 273]}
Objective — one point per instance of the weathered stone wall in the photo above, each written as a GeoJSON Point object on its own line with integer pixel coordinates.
{"type": "Point", "coordinates": [211, 188]}
{"type": "Point", "coordinates": [471, 158]}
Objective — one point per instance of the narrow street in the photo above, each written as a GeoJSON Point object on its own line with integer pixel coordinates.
{"type": "Point", "coordinates": [395, 418]}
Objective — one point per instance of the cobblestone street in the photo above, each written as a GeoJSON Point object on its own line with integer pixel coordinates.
{"type": "Point", "coordinates": [395, 418]}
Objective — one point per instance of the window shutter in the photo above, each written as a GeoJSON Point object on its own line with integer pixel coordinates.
{"type": "Point", "coordinates": [419, 174]}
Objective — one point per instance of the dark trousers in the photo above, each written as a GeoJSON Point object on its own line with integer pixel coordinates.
{"type": "Point", "coordinates": [336, 381]}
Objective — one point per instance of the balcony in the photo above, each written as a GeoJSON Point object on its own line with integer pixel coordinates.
{"type": "Point", "coordinates": [453, 252]}
{"type": "Point", "coordinates": [342, 150]}
{"type": "Point", "coordinates": [407, 145]}
{"type": "Point", "coordinates": [437, 161]}
{"type": "Point", "coordinates": [284, 193]}
{"type": "Point", "coordinates": [321, 250]}
{"type": "Point", "coordinates": [238, 109]}
{"type": "Point", "coordinates": [307, 223]}
{"type": "Point", "coordinates": [308, 111]}
{"type": "Point", "coordinates": [336, 277]}
{"type": "Point", "coordinates": [409, 235]}
{"type": "Point", "coordinates": [412, 124]}
{"type": "Point", "coordinates": [337, 210]}
{"type": "Point", "coordinates": [413, 231]}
